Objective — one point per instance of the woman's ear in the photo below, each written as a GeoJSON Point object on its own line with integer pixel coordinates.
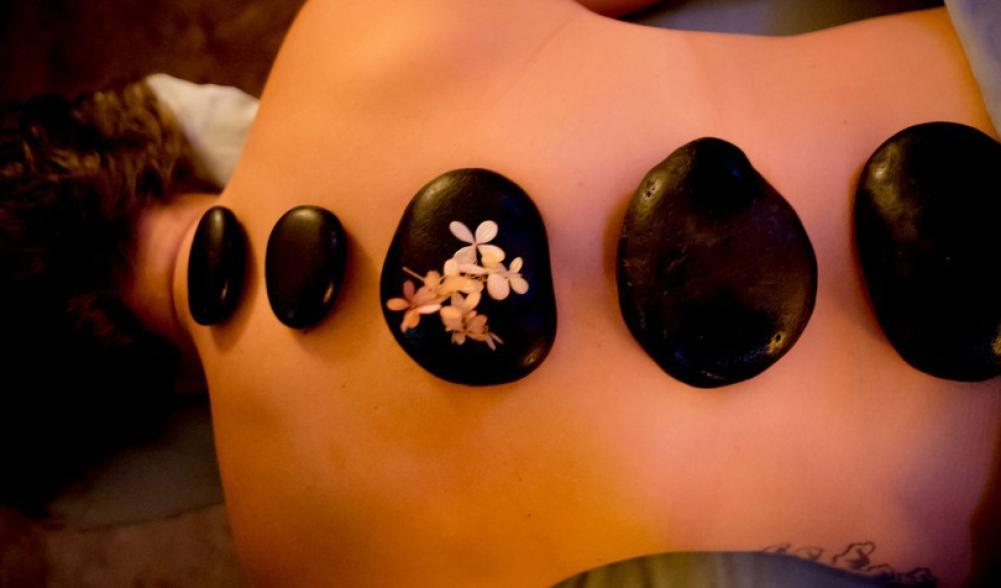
{"type": "Point", "coordinates": [617, 7]}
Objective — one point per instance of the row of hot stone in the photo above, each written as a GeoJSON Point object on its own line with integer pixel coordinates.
{"type": "Point", "coordinates": [717, 277]}
{"type": "Point", "coordinates": [304, 264]}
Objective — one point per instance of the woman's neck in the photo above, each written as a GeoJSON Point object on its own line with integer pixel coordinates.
{"type": "Point", "coordinates": [147, 288]}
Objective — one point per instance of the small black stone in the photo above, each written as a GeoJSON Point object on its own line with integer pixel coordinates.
{"type": "Point", "coordinates": [216, 266]}
{"type": "Point", "coordinates": [304, 265]}
{"type": "Point", "coordinates": [423, 242]}
{"type": "Point", "coordinates": [927, 227]}
{"type": "Point", "coordinates": [717, 277]}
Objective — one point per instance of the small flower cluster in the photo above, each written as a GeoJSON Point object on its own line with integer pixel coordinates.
{"type": "Point", "coordinates": [455, 292]}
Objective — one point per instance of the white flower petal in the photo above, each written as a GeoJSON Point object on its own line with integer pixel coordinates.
{"type": "Point", "coordinates": [486, 231]}
{"type": "Point", "coordinates": [466, 255]}
{"type": "Point", "coordinates": [461, 231]}
{"type": "Point", "coordinates": [397, 304]}
{"type": "Point", "coordinates": [519, 284]}
{"type": "Point", "coordinates": [428, 308]}
{"type": "Point", "coordinates": [471, 286]}
{"type": "Point", "coordinates": [492, 254]}
{"type": "Point", "coordinates": [451, 267]}
{"type": "Point", "coordinates": [472, 269]}
{"type": "Point", "coordinates": [516, 264]}
{"type": "Point", "coordinates": [498, 287]}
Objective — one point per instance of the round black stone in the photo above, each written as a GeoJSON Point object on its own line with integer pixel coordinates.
{"type": "Point", "coordinates": [927, 221]}
{"type": "Point", "coordinates": [423, 242]}
{"type": "Point", "coordinates": [716, 275]}
{"type": "Point", "coordinates": [216, 266]}
{"type": "Point", "coordinates": [304, 265]}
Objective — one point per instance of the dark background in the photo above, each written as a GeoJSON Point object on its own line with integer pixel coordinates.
{"type": "Point", "coordinates": [73, 46]}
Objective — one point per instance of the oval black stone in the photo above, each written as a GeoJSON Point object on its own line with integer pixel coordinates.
{"type": "Point", "coordinates": [927, 226]}
{"type": "Point", "coordinates": [717, 277]}
{"type": "Point", "coordinates": [423, 242]}
{"type": "Point", "coordinates": [304, 265]}
{"type": "Point", "coordinates": [216, 266]}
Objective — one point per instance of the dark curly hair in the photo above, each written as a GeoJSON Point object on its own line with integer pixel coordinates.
{"type": "Point", "coordinates": [78, 373]}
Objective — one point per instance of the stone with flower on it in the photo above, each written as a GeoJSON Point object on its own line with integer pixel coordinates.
{"type": "Point", "coordinates": [466, 285]}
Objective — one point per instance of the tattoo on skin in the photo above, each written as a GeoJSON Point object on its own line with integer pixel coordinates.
{"type": "Point", "coordinates": [858, 558]}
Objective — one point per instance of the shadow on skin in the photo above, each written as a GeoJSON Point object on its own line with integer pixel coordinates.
{"type": "Point", "coordinates": [360, 270]}
{"type": "Point", "coordinates": [869, 322]}
{"type": "Point", "coordinates": [986, 527]}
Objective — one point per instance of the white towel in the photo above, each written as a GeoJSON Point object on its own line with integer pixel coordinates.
{"type": "Point", "coordinates": [978, 23]}
{"type": "Point", "coordinates": [215, 120]}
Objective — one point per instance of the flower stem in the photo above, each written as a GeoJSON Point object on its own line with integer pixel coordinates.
{"type": "Point", "coordinates": [413, 273]}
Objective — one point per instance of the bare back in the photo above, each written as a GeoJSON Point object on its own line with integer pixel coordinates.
{"type": "Point", "coordinates": [345, 463]}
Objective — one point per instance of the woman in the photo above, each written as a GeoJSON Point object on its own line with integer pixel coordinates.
{"type": "Point", "coordinates": [345, 463]}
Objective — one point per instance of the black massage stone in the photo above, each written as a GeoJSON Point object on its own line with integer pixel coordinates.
{"type": "Point", "coordinates": [717, 277]}
{"type": "Point", "coordinates": [216, 266]}
{"type": "Point", "coordinates": [928, 231]}
{"type": "Point", "coordinates": [526, 322]}
{"type": "Point", "coordinates": [304, 265]}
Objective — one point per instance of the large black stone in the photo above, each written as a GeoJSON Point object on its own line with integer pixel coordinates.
{"type": "Point", "coordinates": [928, 230]}
{"type": "Point", "coordinates": [216, 266]}
{"type": "Point", "coordinates": [717, 277]}
{"type": "Point", "coordinates": [526, 323]}
{"type": "Point", "coordinates": [304, 265]}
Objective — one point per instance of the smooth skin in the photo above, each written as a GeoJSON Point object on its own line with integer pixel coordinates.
{"type": "Point", "coordinates": [344, 463]}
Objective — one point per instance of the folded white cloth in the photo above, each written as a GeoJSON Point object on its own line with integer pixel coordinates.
{"type": "Point", "coordinates": [215, 120]}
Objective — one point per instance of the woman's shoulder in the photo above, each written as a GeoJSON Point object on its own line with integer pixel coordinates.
{"type": "Point", "coordinates": [412, 41]}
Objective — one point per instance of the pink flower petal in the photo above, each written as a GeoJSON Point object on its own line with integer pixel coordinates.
{"type": "Point", "coordinates": [408, 289]}
{"type": "Point", "coordinates": [424, 296]}
{"type": "Point", "coordinates": [519, 284]}
{"type": "Point", "coordinates": [410, 320]}
{"type": "Point", "coordinates": [428, 308]}
{"type": "Point", "coordinates": [451, 317]}
{"type": "Point", "coordinates": [516, 265]}
{"type": "Point", "coordinates": [451, 267]}
{"type": "Point", "coordinates": [461, 231]}
{"type": "Point", "coordinates": [472, 300]}
{"type": "Point", "coordinates": [397, 304]}
{"type": "Point", "coordinates": [432, 279]}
